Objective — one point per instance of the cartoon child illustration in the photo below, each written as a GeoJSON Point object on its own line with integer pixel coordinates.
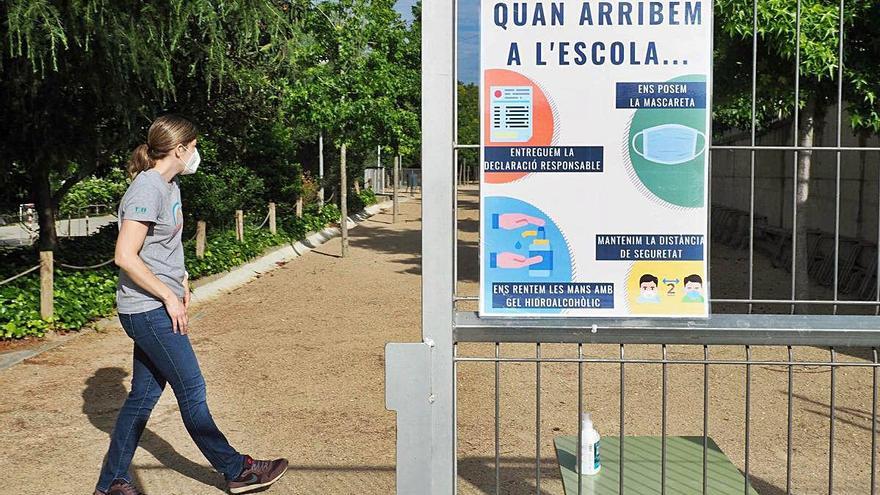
{"type": "Point", "coordinates": [648, 289]}
{"type": "Point", "coordinates": [693, 289]}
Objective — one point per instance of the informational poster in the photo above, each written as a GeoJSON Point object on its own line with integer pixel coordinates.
{"type": "Point", "coordinates": [595, 147]}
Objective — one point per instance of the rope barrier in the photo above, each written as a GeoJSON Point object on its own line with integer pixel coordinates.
{"type": "Point", "coordinates": [22, 274]}
{"type": "Point", "coordinates": [91, 267]}
{"type": "Point", "coordinates": [264, 222]}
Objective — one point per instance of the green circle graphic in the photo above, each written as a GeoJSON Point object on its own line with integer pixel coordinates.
{"type": "Point", "coordinates": [680, 184]}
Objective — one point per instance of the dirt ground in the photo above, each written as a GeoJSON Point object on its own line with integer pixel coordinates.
{"type": "Point", "coordinates": [294, 366]}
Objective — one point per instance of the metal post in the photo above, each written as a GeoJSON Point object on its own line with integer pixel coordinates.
{"type": "Point", "coordinates": [438, 88]}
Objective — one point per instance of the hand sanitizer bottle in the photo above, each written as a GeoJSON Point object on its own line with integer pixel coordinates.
{"type": "Point", "coordinates": [540, 246]}
{"type": "Point", "coordinates": [589, 462]}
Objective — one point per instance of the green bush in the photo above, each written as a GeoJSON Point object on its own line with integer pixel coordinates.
{"type": "Point", "coordinates": [94, 191]}
{"type": "Point", "coordinates": [82, 296]}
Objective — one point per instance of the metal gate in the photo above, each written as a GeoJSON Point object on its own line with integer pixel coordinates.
{"type": "Point", "coordinates": [421, 378]}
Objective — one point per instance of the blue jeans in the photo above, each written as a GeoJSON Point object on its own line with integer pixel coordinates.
{"type": "Point", "coordinates": [162, 356]}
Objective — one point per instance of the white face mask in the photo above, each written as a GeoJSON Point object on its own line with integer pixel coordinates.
{"type": "Point", "coordinates": [192, 164]}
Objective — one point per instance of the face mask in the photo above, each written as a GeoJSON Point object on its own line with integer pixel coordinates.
{"type": "Point", "coordinates": [192, 164]}
{"type": "Point", "coordinates": [649, 294]}
{"type": "Point", "coordinates": [693, 292]}
{"type": "Point", "coordinates": [669, 144]}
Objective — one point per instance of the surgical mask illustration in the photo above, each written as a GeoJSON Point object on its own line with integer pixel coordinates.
{"type": "Point", "coordinates": [511, 119]}
{"type": "Point", "coordinates": [669, 144]}
{"type": "Point", "coordinates": [540, 246]}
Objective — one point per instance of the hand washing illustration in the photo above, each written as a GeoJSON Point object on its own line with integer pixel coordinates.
{"type": "Point", "coordinates": [522, 244]}
{"type": "Point", "coordinates": [540, 254]}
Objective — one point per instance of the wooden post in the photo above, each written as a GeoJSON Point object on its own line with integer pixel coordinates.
{"type": "Point", "coordinates": [47, 295]}
{"type": "Point", "coordinates": [343, 202]}
{"type": "Point", "coordinates": [394, 209]}
{"type": "Point", "coordinates": [239, 225]}
{"type": "Point", "coordinates": [273, 228]}
{"type": "Point", "coordinates": [299, 207]}
{"type": "Point", "coordinates": [201, 227]}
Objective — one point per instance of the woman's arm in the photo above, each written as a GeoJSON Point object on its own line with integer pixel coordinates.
{"type": "Point", "coordinates": [128, 246]}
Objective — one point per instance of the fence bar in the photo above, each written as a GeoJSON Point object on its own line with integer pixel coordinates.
{"type": "Point", "coordinates": [622, 423]}
{"type": "Point", "coordinates": [705, 421]}
{"type": "Point", "coordinates": [837, 170]}
{"type": "Point", "coordinates": [497, 419]}
{"type": "Point", "coordinates": [758, 301]}
{"type": "Point", "coordinates": [538, 418]}
{"type": "Point", "coordinates": [730, 147]}
{"type": "Point", "coordinates": [796, 301]}
{"type": "Point", "coordinates": [580, 449]}
{"type": "Point", "coordinates": [720, 329]}
{"type": "Point", "coordinates": [862, 149]}
{"type": "Point", "coordinates": [795, 136]}
{"type": "Point", "coordinates": [831, 414]}
{"type": "Point", "coordinates": [665, 366]}
{"type": "Point", "coordinates": [874, 425]}
{"type": "Point", "coordinates": [752, 152]}
{"type": "Point", "coordinates": [748, 416]}
{"type": "Point", "coordinates": [788, 443]}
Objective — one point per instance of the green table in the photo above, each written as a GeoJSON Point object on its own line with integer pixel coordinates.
{"type": "Point", "coordinates": [684, 467]}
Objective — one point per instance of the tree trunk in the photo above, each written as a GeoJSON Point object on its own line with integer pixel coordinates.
{"type": "Point", "coordinates": [320, 169]}
{"type": "Point", "coordinates": [343, 201]}
{"type": "Point", "coordinates": [806, 138]}
{"type": "Point", "coordinates": [45, 205]}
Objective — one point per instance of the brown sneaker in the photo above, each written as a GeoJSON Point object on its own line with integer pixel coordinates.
{"type": "Point", "coordinates": [120, 487]}
{"type": "Point", "coordinates": [257, 475]}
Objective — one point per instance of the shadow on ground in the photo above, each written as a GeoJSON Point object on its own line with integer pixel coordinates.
{"type": "Point", "coordinates": [104, 395]}
{"type": "Point", "coordinates": [517, 476]}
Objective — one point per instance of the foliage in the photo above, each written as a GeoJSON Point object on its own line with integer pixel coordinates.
{"type": "Point", "coordinates": [213, 196]}
{"type": "Point", "coordinates": [81, 296]}
{"type": "Point", "coordinates": [81, 79]}
{"type": "Point", "coordinates": [364, 198]}
{"type": "Point", "coordinates": [777, 52]}
{"type": "Point", "coordinates": [94, 191]}
{"type": "Point", "coordinates": [468, 120]}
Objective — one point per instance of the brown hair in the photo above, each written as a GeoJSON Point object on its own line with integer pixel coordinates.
{"type": "Point", "coordinates": [165, 134]}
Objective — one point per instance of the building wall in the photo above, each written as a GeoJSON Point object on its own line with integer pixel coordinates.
{"type": "Point", "coordinates": [774, 170]}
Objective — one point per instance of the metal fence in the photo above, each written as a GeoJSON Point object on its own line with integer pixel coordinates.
{"type": "Point", "coordinates": [422, 377]}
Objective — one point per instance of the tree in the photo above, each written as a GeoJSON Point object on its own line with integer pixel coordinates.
{"type": "Point", "coordinates": [819, 76]}
{"type": "Point", "coordinates": [80, 80]}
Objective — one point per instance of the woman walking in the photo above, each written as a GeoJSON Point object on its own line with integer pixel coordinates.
{"type": "Point", "coordinates": [152, 300]}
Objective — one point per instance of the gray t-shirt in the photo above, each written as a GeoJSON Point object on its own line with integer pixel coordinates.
{"type": "Point", "coordinates": [150, 198]}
